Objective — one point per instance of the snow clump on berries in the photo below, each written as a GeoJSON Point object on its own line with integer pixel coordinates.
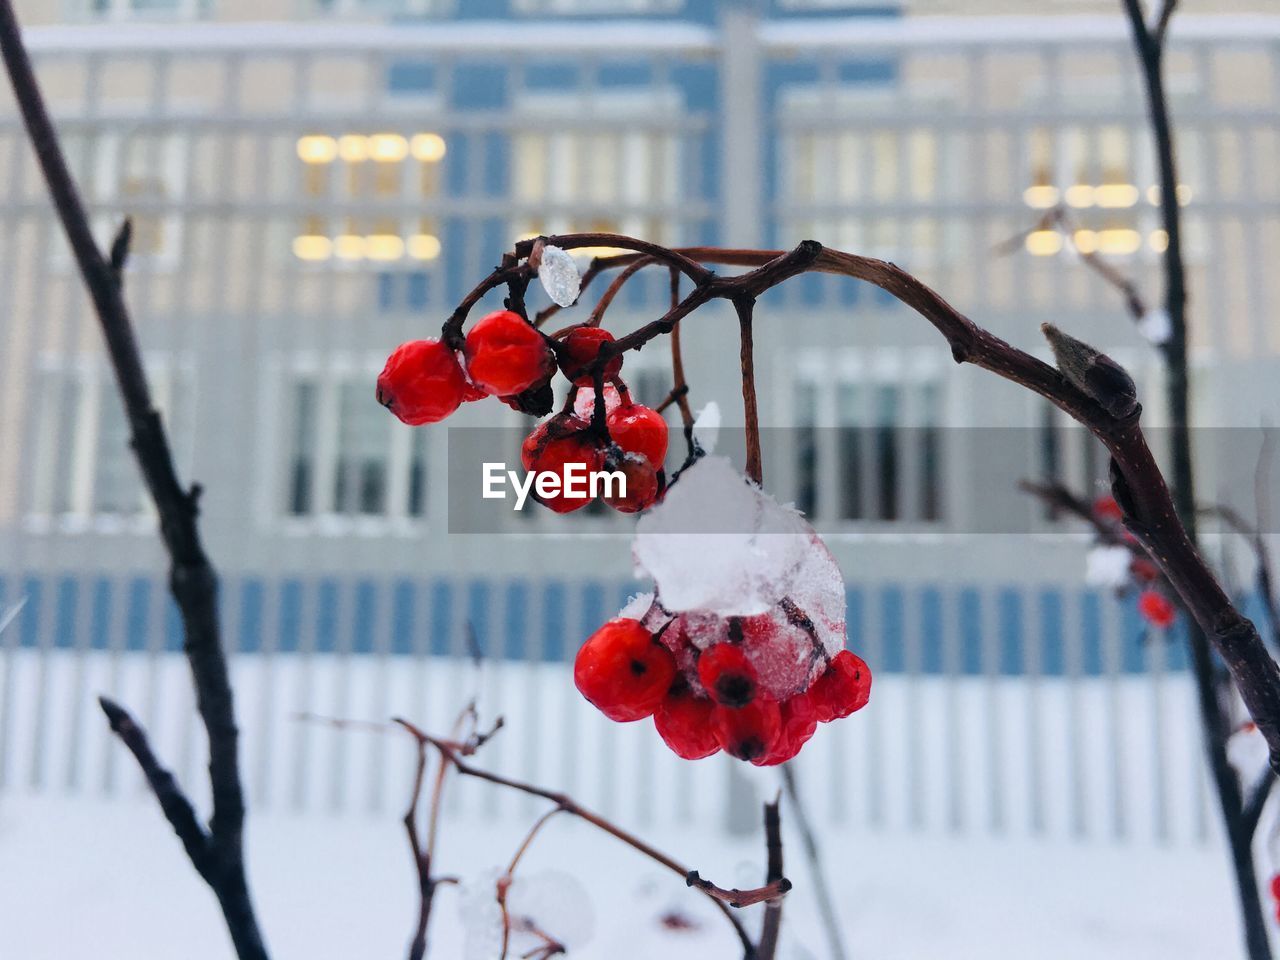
{"type": "Point", "coordinates": [718, 544]}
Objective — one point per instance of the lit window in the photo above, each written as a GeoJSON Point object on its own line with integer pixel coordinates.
{"type": "Point", "coordinates": [385, 170]}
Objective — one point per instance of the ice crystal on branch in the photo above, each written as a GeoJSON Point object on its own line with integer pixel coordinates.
{"type": "Point", "coordinates": [559, 276]}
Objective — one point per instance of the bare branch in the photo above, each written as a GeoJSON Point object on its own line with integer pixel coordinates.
{"type": "Point", "coordinates": [454, 753]}
{"type": "Point", "coordinates": [173, 802]}
{"type": "Point", "coordinates": [772, 925]}
{"type": "Point", "coordinates": [809, 840]}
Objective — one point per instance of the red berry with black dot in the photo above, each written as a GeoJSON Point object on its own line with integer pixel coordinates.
{"type": "Point", "coordinates": [422, 382]}
{"type": "Point", "coordinates": [683, 721]}
{"type": "Point", "coordinates": [1157, 609]}
{"type": "Point", "coordinates": [749, 733]}
{"type": "Point", "coordinates": [506, 355]}
{"type": "Point", "coordinates": [624, 671]}
{"type": "Point", "coordinates": [641, 430]}
{"type": "Point", "coordinates": [639, 488]}
{"type": "Point", "coordinates": [799, 723]}
{"type": "Point", "coordinates": [727, 675]}
{"type": "Point", "coordinates": [581, 347]}
{"type": "Point", "coordinates": [843, 688]}
{"type": "Point", "coordinates": [1106, 508]}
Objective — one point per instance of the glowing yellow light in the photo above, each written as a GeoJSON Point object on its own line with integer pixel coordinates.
{"type": "Point", "coordinates": [353, 148]}
{"type": "Point", "coordinates": [383, 246]}
{"type": "Point", "coordinates": [312, 247]}
{"type": "Point", "coordinates": [1085, 241]}
{"type": "Point", "coordinates": [349, 247]}
{"type": "Point", "coordinates": [1119, 241]}
{"type": "Point", "coordinates": [317, 149]}
{"type": "Point", "coordinates": [423, 246]}
{"type": "Point", "coordinates": [1116, 195]}
{"type": "Point", "coordinates": [388, 147]}
{"type": "Point", "coordinates": [427, 147]}
{"type": "Point", "coordinates": [1041, 196]}
{"type": "Point", "coordinates": [1044, 243]}
{"type": "Point", "coordinates": [1158, 241]}
{"type": "Point", "coordinates": [1080, 195]}
{"type": "Point", "coordinates": [1184, 195]}
{"type": "Point", "coordinates": [589, 252]}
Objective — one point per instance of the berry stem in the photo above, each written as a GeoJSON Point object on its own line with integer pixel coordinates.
{"type": "Point", "coordinates": [745, 306]}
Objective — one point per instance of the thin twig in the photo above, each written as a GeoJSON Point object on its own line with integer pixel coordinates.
{"type": "Point", "coordinates": [745, 307]}
{"type": "Point", "coordinates": [454, 753]}
{"type": "Point", "coordinates": [192, 579]}
{"type": "Point", "coordinates": [809, 840]}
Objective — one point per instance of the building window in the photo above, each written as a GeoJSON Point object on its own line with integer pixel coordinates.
{"type": "Point", "coordinates": [618, 176]}
{"type": "Point", "coordinates": [597, 6]}
{"type": "Point", "coordinates": [85, 471]}
{"type": "Point", "coordinates": [838, 175]}
{"type": "Point", "coordinates": [143, 9]}
{"type": "Point", "coordinates": [346, 458]}
{"type": "Point", "coordinates": [868, 442]}
{"type": "Point", "coordinates": [142, 175]}
{"type": "Point", "coordinates": [391, 8]}
{"type": "Point", "coordinates": [394, 175]}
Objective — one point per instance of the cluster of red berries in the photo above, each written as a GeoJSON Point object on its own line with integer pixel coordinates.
{"type": "Point", "coordinates": [504, 356]}
{"type": "Point", "coordinates": [1275, 894]}
{"type": "Point", "coordinates": [1153, 605]}
{"type": "Point", "coordinates": [704, 700]}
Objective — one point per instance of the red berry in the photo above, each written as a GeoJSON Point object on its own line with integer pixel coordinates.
{"type": "Point", "coordinates": [581, 347]}
{"type": "Point", "coordinates": [799, 722]}
{"type": "Point", "coordinates": [1275, 887]}
{"type": "Point", "coordinates": [1144, 570]}
{"type": "Point", "coordinates": [641, 430]}
{"type": "Point", "coordinates": [1156, 609]}
{"type": "Point", "coordinates": [640, 482]}
{"type": "Point", "coordinates": [749, 733]}
{"type": "Point", "coordinates": [506, 356]}
{"type": "Point", "coordinates": [683, 721]}
{"type": "Point", "coordinates": [623, 671]}
{"type": "Point", "coordinates": [551, 449]}
{"type": "Point", "coordinates": [422, 382]}
{"type": "Point", "coordinates": [1106, 508]}
{"type": "Point", "coordinates": [844, 687]}
{"type": "Point", "coordinates": [727, 674]}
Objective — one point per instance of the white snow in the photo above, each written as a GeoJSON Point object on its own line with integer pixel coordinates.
{"type": "Point", "coordinates": [107, 879]}
{"type": "Point", "coordinates": [706, 427]}
{"type": "Point", "coordinates": [1107, 566]}
{"type": "Point", "coordinates": [1156, 326]}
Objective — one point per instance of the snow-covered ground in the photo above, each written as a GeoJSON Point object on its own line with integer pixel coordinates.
{"type": "Point", "coordinates": [106, 879]}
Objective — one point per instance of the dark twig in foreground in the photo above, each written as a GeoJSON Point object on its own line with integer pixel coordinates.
{"type": "Point", "coordinates": [191, 576]}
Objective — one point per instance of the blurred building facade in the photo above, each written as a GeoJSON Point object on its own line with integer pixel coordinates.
{"type": "Point", "coordinates": [313, 183]}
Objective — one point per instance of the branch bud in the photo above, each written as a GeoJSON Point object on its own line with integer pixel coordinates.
{"type": "Point", "coordinates": [1093, 372]}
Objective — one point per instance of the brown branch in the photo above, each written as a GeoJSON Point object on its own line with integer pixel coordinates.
{"type": "Point", "coordinates": [1256, 802]}
{"type": "Point", "coordinates": [772, 925]}
{"type": "Point", "coordinates": [1090, 387]}
{"type": "Point", "coordinates": [504, 882]}
{"type": "Point", "coordinates": [453, 753]}
{"type": "Point", "coordinates": [745, 307]}
{"type": "Point", "coordinates": [192, 579]}
{"type": "Point", "coordinates": [421, 857]}
{"type": "Point", "coordinates": [1160, 31]}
